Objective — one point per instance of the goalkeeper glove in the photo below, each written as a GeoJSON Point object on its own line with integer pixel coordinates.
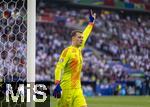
{"type": "Point", "coordinates": [57, 91]}
{"type": "Point", "coordinates": [92, 16]}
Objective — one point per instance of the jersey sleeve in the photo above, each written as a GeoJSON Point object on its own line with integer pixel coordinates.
{"type": "Point", "coordinates": [86, 34]}
{"type": "Point", "coordinates": [63, 59]}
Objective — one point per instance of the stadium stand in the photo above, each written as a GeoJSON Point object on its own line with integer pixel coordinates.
{"type": "Point", "coordinates": [122, 4]}
{"type": "Point", "coordinates": [116, 57]}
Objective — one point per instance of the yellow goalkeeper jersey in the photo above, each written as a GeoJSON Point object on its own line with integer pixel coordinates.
{"type": "Point", "coordinates": [70, 63]}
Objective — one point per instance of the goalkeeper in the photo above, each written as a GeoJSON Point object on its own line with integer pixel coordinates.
{"type": "Point", "coordinates": [70, 62]}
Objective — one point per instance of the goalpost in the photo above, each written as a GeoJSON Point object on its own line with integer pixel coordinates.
{"type": "Point", "coordinates": [31, 48]}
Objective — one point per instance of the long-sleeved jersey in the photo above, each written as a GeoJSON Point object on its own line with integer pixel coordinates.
{"type": "Point", "coordinates": [70, 62]}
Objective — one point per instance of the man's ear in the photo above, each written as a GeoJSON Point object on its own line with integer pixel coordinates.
{"type": "Point", "coordinates": [73, 38]}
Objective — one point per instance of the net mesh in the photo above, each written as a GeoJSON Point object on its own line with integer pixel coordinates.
{"type": "Point", "coordinates": [13, 40]}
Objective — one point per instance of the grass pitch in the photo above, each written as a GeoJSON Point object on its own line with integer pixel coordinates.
{"type": "Point", "coordinates": [113, 101]}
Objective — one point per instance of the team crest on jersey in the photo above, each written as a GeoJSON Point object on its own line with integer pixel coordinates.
{"type": "Point", "coordinates": [73, 50]}
{"type": "Point", "coordinates": [61, 60]}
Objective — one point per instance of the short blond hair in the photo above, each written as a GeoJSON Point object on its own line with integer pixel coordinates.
{"type": "Point", "coordinates": [74, 32]}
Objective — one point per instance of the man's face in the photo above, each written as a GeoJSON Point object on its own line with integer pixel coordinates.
{"type": "Point", "coordinates": [78, 39]}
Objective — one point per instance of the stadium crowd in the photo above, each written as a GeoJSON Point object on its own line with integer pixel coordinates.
{"type": "Point", "coordinates": [117, 47]}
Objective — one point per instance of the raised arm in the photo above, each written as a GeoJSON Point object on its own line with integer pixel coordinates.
{"type": "Point", "coordinates": [88, 29]}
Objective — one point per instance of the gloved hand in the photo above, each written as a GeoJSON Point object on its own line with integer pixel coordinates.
{"type": "Point", "coordinates": [92, 16]}
{"type": "Point", "coordinates": [57, 91]}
